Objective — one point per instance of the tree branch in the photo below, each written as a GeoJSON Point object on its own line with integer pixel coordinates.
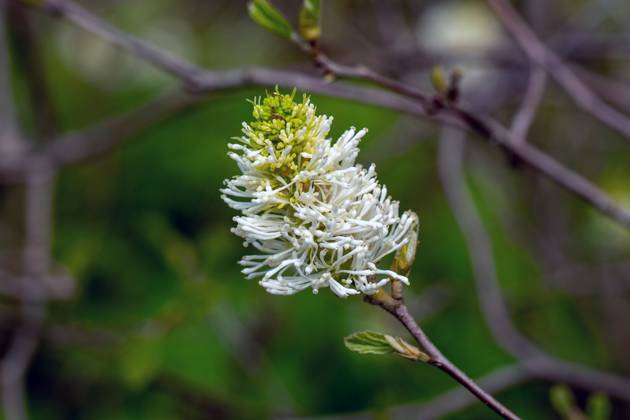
{"type": "Point", "coordinates": [396, 307]}
{"type": "Point", "coordinates": [76, 14]}
{"type": "Point", "coordinates": [457, 399]}
{"type": "Point", "coordinates": [441, 362]}
{"type": "Point", "coordinates": [415, 102]}
{"type": "Point", "coordinates": [538, 53]}
{"type": "Point", "coordinates": [36, 254]}
{"type": "Point", "coordinates": [36, 263]}
{"type": "Point", "coordinates": [492, 303]}
{"type": "Point", "coordinates": [526, 113]}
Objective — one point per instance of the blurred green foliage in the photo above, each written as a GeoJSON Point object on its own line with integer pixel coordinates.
{"type": "Point", "coordinates": [164, 326]}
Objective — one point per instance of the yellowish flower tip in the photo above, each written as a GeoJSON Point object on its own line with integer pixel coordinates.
{"type": "Point", "coordinates": [281, 123]}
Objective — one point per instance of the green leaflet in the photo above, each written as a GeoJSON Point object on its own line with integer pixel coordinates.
{"type": "Point", "coordinates": [369, 342]}
{"type": "Point", "coordinates": [267, 16]}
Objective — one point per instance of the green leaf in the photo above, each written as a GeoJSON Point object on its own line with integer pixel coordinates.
{"type": "Point", "coordinates": [369, 342]}
{"type": "Point", "coordinates": [309, 26]}
{"type": "Point", "coordinates": [267, 16]}
{"type": "Point", "coordinates": [598, 406]}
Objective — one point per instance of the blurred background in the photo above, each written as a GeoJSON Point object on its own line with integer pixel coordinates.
{"type": "Point", "coordinates": [155, 320]}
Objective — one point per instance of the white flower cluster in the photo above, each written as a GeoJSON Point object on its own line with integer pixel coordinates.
{"type": "Point", "coordinates": [316, 218]}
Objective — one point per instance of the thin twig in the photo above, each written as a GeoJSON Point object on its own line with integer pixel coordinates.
{"type": "Point", "coordinates": [440, 361]}
{"type": "Point", "coordinates": [161, 59]}
{"type": "Point", "coordinates": [537, 52]}
{"type": "Point", "coordinates": [612, 90]}
{"type": "Point", "coordinates": [102, 137]}
{"type": "Point", "coordinates": [493, 306]}
{"type": "Point", "coordinates": [399, 310]}
{"type": "Point", "coordinates": [36, 263]}
{"type": "Point", "coordinates": [457, 399]}
{"type": "Point", "coordinates": [495, 310]}
{"type": "Point", "coordinates": [526, 113]}
{"type": "Point", "coordinates": [36, 254]}
{"type": "Point", "coordinates": [16, 360]}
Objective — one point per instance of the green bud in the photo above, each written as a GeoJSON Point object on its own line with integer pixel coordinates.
{"type": "Point", "coordinates": [438, 79]}
{"type": "Point", "coordinates": [309, 18]}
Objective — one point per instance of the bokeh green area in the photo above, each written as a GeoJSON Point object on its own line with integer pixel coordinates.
{"type": "Point", "coordinates": [163, 325]}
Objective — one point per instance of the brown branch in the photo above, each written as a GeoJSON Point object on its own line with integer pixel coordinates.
{"type": "Point", "coordinates": [85, 20]}
{"type": "Point", "coordinates": [36, 255]}
{"type": "Point", "coordinates": [493, 305]}
{"type": "Point", "coordinates": [457, 399]}
{"type": "Point", "coordinates": [102, 137]}
{"type": "Point", "coordinates": [93, 141]}
{"type": "Point", "coordinates": [494, 309]}
{"type": "Point", "coordinates": [36, 263]}
{"type": "Point", "coordinates": [613, 91]}
{"type": "Point", "coordinates": [16, 360]}
{"type": "Point", "coordinates": [441, 362]}
{"type": "Point", "coordinates": [538, 53]}
{"type": "Point", "coordinates": [562, 176]}
{"type": "Point", "coordinates": [526, 113]}
{"type": "Point", "coordinates": [398, 309]}
{"type": "Point", "coordinates": [415, 101]}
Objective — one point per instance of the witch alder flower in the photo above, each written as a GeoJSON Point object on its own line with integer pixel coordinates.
{"type": "Point", "coordinates": [313, 216]}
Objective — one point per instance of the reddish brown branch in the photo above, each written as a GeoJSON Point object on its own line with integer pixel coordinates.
{"type": "Point", "coordinates": [399, 310]}
{"type": "Point", "coordinates": [441, 362]}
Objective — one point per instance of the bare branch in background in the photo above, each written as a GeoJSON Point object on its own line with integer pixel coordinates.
{"type": "Point", "coordinates": [526, 113]}
{"type": "Point", "coordinates": [16, 360]}
{"type": "Point", "coordinates": [536, 362]}
{"type": "Point", "coordinates": [551, 62]}
{"type": "Point", "coordinates": [102, 137]}
{"type": "Point", "coordinates": [10, 146]}
{"type": "Point", "coordinates": [494, 308]}
{"type": "Point", "coordinates": [164, 60]}
{"type": "Point", "coordinates": [417, 102]}
{"type": "Point", "coordinates": [36, 263]}
{"type": "Point", "coordinates": [36, 254]}
{"type": "Point", "coordinates": [457, 399]}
